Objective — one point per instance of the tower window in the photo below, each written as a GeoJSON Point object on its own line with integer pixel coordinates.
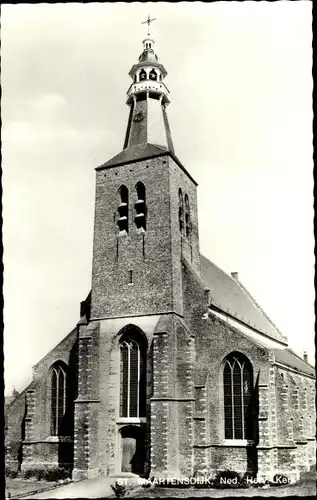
{"type": "Point", "coordinates": [58, 398]}
{"type": "Point", "coordinates": [238, 388]}
{"type": "Point", "coordinates": [133, 374]}
{"type": "Point", "coordinates": [130, 277]}
{"type": "Point", "coordinates": [140, 206]}
{"type": "Point", "coordinates": [180, 211]}
{"type": "Point", "coordinates": [153, 75]}
{"type": "Point", "coordinates": [123, 210]}
{"type": "Point", "coordinates": [142, 75]}
{"type": "Point", "coordinates": [188, 228]}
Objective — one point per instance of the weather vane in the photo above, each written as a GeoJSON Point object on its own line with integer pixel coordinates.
{"type": "Point", "coordinates": [148, 22]}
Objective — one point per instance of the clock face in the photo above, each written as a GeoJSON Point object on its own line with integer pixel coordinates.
{"type": "Point", "coordinates": [138, 116]}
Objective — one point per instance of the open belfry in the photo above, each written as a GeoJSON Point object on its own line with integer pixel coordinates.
{"type": "Point", "coordinates": [173, 369]}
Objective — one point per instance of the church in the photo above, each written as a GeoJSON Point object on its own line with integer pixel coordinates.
{"type": "Point", "coordinates": [173, 369]}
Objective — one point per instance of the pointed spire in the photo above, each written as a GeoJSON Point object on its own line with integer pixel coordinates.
{"type": "Point", "coordinates": [148, 97]}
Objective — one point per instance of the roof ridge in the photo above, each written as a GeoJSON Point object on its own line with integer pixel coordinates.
{"type": "Point", "coordinates": [246, 291]}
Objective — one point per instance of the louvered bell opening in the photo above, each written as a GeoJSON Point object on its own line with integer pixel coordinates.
{"type": "Point", "coordinates": [123, 223]}
{"type": "Point", "coordinates": [140, 208]}
{"type": "Point", "coordinates": [140, 221]}
{"type": "Point", "coordinates": [123, 209]}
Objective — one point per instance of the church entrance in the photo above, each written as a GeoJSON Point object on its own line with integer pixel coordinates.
{"type": "Point", "coordinates": [132, 450]}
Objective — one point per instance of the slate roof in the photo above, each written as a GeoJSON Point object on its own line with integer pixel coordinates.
{"type": "Point", "coordinates": [142, 152]}
{"type": "Point", "coordinates": [291, 359]}
{"type": "Point", "coordinates": [134, 153]}
{"type": "Point", "coordinates": [228, 295]}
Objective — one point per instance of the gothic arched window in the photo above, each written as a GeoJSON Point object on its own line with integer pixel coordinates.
{"type": "Point", "coordinates": [188, 226]}
{"type": "Point", "coordinates": [133, 374]}
{"type": "Point", "coordinates": [140, 206]}
{"type": "Point", "coordinates": [180, 211]}
{"type": "Point", "coordinates": [142, 75]}
{"type": "Point", "coordinates": [238, 390]}
{"type": "Point", "coordinates": [123, 209]}
{"type": "Point", "coordinates": [153, 75]}
{"type": "Point", "coordinates": [58, 398]}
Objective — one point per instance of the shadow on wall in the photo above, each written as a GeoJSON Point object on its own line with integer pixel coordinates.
{"type": "Point", "coordinates": [66, 447]}
{"type": "Point", "coordinates": [253, 429]}
{"type": "Point", "coordinates": [20, 448]}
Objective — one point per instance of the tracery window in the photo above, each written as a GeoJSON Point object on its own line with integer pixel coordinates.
{"type": "Point", "coordinates": [140, 206]}
{"type": "Point", "coordinates": [133, 375]}
{"type": "Point", "coordinates": [238, 387]}
{"type": "Point", "coordinates": [123, 209]}
{"type": "Point", "coordinates": [180, 211]}
{"type": "Point", "coordinates": [188, 226]}
{"type": "Point", "coordinates": [58, 398]}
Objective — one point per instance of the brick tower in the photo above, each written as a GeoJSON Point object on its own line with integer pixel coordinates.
{"type": "Point", "coordinates": [145, 221]}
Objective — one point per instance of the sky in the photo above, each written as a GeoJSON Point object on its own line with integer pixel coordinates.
{"type": "Point", "coordinates": [240, 76]}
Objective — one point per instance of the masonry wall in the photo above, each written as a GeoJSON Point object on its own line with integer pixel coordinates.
{"type": "Point", "coordinates": [153, 255]}
{"type": "Point", "coordinates": [28, 417]}
{"type": "Point", "coordinates": [214, 340]}
{"type": "Point", "coordinates": [14, 431]}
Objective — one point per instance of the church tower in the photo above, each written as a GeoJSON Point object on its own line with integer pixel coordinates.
{"type": "Point", "coordinates": [145, 226]}
{"type": "Point", "coordinates": [146, 208]}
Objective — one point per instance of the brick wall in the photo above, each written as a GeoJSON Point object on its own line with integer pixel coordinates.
{"type": "Point", "coordinates": [153, 256]}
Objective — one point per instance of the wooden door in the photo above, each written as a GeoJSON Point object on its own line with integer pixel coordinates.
{"type": "Point", "coordinates": [132, 450]}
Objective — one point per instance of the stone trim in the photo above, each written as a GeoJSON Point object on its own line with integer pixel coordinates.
{"type": "Point", "coordinates": [137, 316]}
{"type": "Point", "coordinates": [172, 399]}
{"type": "Point", "coordinates": [87, 401]}
{"type": "Point", "coordinates": [46, 441]}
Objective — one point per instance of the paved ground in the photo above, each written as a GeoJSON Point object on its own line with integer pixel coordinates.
{"type": "Point", "coordinates": [98, 487]}
{"type": "Point", "coordinates": [23, 486]}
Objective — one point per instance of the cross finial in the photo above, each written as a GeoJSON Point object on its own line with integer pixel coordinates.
{"type": "Point", "coordinates": [148, 21]}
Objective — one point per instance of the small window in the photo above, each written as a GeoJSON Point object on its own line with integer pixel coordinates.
{"type": "Point", "coordinates": [123, 210]}
{"type": "Point", "coordinates": [140, 207]}
{"type": "Point", "coordinates": [180, 211]}
{"type": "Point", "coordinates": [188, 228]}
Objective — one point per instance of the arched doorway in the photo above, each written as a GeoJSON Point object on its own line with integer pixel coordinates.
{"type": "Point", "coordinates": [132, 449]}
